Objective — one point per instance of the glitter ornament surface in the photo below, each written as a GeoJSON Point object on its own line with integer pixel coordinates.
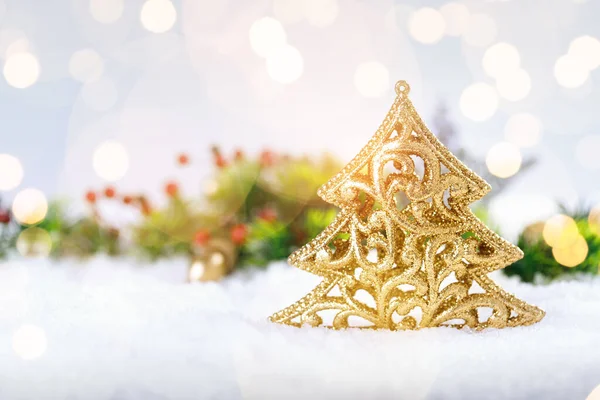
{"type": "Point", "coordinates": [406, 251]}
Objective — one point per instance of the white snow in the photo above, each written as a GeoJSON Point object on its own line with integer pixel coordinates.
{"type": "Point", "coordinates": [110, 329]}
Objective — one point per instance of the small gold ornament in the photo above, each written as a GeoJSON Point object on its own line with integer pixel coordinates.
{"type": "Point", "coordinates": [405, 251]}
{"type": "Point", "coordinates": [212, 261]}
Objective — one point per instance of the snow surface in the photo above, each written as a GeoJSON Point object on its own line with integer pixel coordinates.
{"type": "Point", "coordinates": [115, 330]}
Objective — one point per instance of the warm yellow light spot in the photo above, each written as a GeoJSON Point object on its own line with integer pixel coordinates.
{"type": "Point", "coordinates": [11, 172]}
{"type": "Point", "coordinates": [267, 36]}
{"type": "Point", "coordinates": [573, 254]}
{"type": "Point", "coordinates": [106, 11]}
{"type": "Point", "coordinates": [523, 130]}
{"type": "Point", "coordinates": [515, 85]}
{"type": "Point", "coordinates": [30, 206]}
{"type": "Point", "coordinates": [587, 152]}
{"type": "Point", "coordinates": [560, 231]}
{"type": "Point", "coordinates": [371, 79]}
{"type": "Point", "coordinates": [456, 16]}
{"type": "Point", "coordinates": [500, 59]}
{"type": "Point", "coordinates": [320, 13]}
{"type": "Point", "coordinates": [427, 25]}
{"type": "Point", "coordinates": [479, 101]}
{"type": "Point", "coordinates": [569, 72]}
{"type": "Point", "coordinates": [158, 16]}
{"type": "Point", "coordinates": [285, 65]}
{"type": "Point", "coordinates": [111, 161]}
{"type": "Point", "coordinates": [594, 219]}
{"type": "Point", "coordinates": [585, 50]}
{"type": "Point", "coordinates": [481, 30]}
{"type": "Point", "coordinates": [503, 160]}
{"type": "Point", "coordinates": [34, 242]}
{"type": "Point", "coordinates": [21, 70]}
{"type": "Point", "coordinates": [29, 342]}
{"type": "Point", "coordinates": [86, 65]}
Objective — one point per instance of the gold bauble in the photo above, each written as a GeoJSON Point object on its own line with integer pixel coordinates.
{"type": "Point", "coordinates": [212, 261]}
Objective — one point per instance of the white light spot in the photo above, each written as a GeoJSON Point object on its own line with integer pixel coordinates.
{"type": "Point", "coordinates": [30, 206]}
{"type": "Point", "coordinates": [266, 36]}
{"type": "Point", "coordinates": [111, 161]}
{"type": "Point", "coordinates": [86, 65]}
{"type": "Point", "coordinates": [158, 16]}
{"type": "Point", "coordinates": [372, 79]}
{"type": "Point", "coordinates": [588, 152]}
{"type": "Point", "coordinates": [595, 394]}
{"type": "Point", "coordinates": [21, 70]}
{"type": "Point", "coordinates": [569, 72]}
{"type": "Point", "coordinates": [427, 25]}
{"type": "Point", "coordinates": [11, 172]}
{"type": "Point", "coordinates": [514, 86]}
{"type": "Point", "coordinates": [479, 101]}
{"type": "Point", "coordinates": [106, 11]}
{"type": "Point", "coordinates": [456, 16]}
{"type": "Point", "coordinates": [481, 30]}
{"type": "Point", "coordinates": [320, 13]}
{"type": "Point", "coordinates": [100, 95]}
{"type": "Point", "coordinates": [500, 59]}
{"type": "Point", "coordinates": [503, 160]}
{"type": "Point", "coordinates": [285, 65]}
{"type": "Point", "coordinates": [288, 11]}
{"type": "Point", "coordinates": [196, 271]}
{"type": "Point", "coordinates": [586, 51]}
{"type": "Point", "coordinates": [523, 130]}
{"type": "Point", "coordinates": [29, 342]}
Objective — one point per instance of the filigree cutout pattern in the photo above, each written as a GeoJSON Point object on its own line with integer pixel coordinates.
{"type": "Point", "coordinates": [405, 251]}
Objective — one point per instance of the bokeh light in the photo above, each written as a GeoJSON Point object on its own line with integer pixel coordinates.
{"type": "Point", "coordinates": [196, 271]}
{"type": "Point", "coordinates": [585, 50]}
{"type": "Point", "coordinates": [595, 394]}
{"type": "Point", "coordinates": [371, 79]}
{"type": "Point", "coordinates": [11, 172]}
{"type": "Point", "coordinates": [569, 72]}
{"type": "Point", "coordinates": [573, 254]}
{"type": "Point", "coordinates": [106, 11]}
{"type": "Point", "coordinates": [288, 11]}
{"type": "Point", "coordinates": [481, 30]}
{"type": "Point", "coordinates": [503, 160]}
{"type": "Point", "coordinates": [86, 65]}
{"type": "Point", "coordinates": [523, 130]}
{"type": "Point", "coordinates": [29, 342]}
{"type": "Point", "coordinates": [320, 13]}
{"type": "Point", "coordinates": [21, 70]}
{"type": "Point", "coordinates": [266, 36]}
{"type": "Point", "coordinates": [285, 65]}
{"type": "Point", "coordinates": [587, 151]}
{"type": "Point", "coordinates": [456, 16]}
{"type": "Point", "coordinates": [560, 231]}
{"type": "Point", "coordinates": [111, 161]}
{"type": "Point", "coordinates": [500, 59]}
{"type": "Point", "coordinates": [30, 206]}
{"type": "Point", "coordinates": [158, 16]}
{"type": "Point", "coordinates": [34, 242]}
{"type": "Point", "coordinates": [515, 85]}
{"type": "Point", "coordinates": [479, 101]}
{"type": "Point", "coordinates": [100, 94]}
{"type": "Point", "coordinates": [427, 25]}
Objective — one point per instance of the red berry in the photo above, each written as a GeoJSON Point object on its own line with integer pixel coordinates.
{"type": "Point", "coordinates": [267, 214]}
{"type": "Point", "coordinates": [239, 233]}
{"type": "Point", "coordinates": [201, 237]}
{"type": "Point", "coordinates": [220, 161]}
{"type": "Point", "coordinates": [239, 155]}
{"type": "Point", "coordinates": [146, 210]}
{"type": "Point", "coordinates": [90, 197]}
{"type": "Point", "coordinates": [267, 158]}
{"type": "Point", "coordinates": [183, 159]}
{"type": "Point", "coordinates": [109, 192]}
{"type": "Point", "coordinates": [127, 199]}
{"type": "Point", "coordinates": [172, 189]}
{"type": "Point", "coordinates": [4, 217]}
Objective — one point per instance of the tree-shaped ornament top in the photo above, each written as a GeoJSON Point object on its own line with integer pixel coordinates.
{"type": "Point", "coordinates": [405, 251]}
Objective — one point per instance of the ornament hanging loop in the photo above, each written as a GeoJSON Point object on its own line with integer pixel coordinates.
{"type": "Point", "coordinates": [402, 88]}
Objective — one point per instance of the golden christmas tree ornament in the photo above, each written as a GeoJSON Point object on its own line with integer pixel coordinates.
{"type": "Point", "coordinates": [405, 251]}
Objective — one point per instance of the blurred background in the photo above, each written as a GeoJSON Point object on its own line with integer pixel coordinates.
{"type": "Point", "coordinates": [125, 93]}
